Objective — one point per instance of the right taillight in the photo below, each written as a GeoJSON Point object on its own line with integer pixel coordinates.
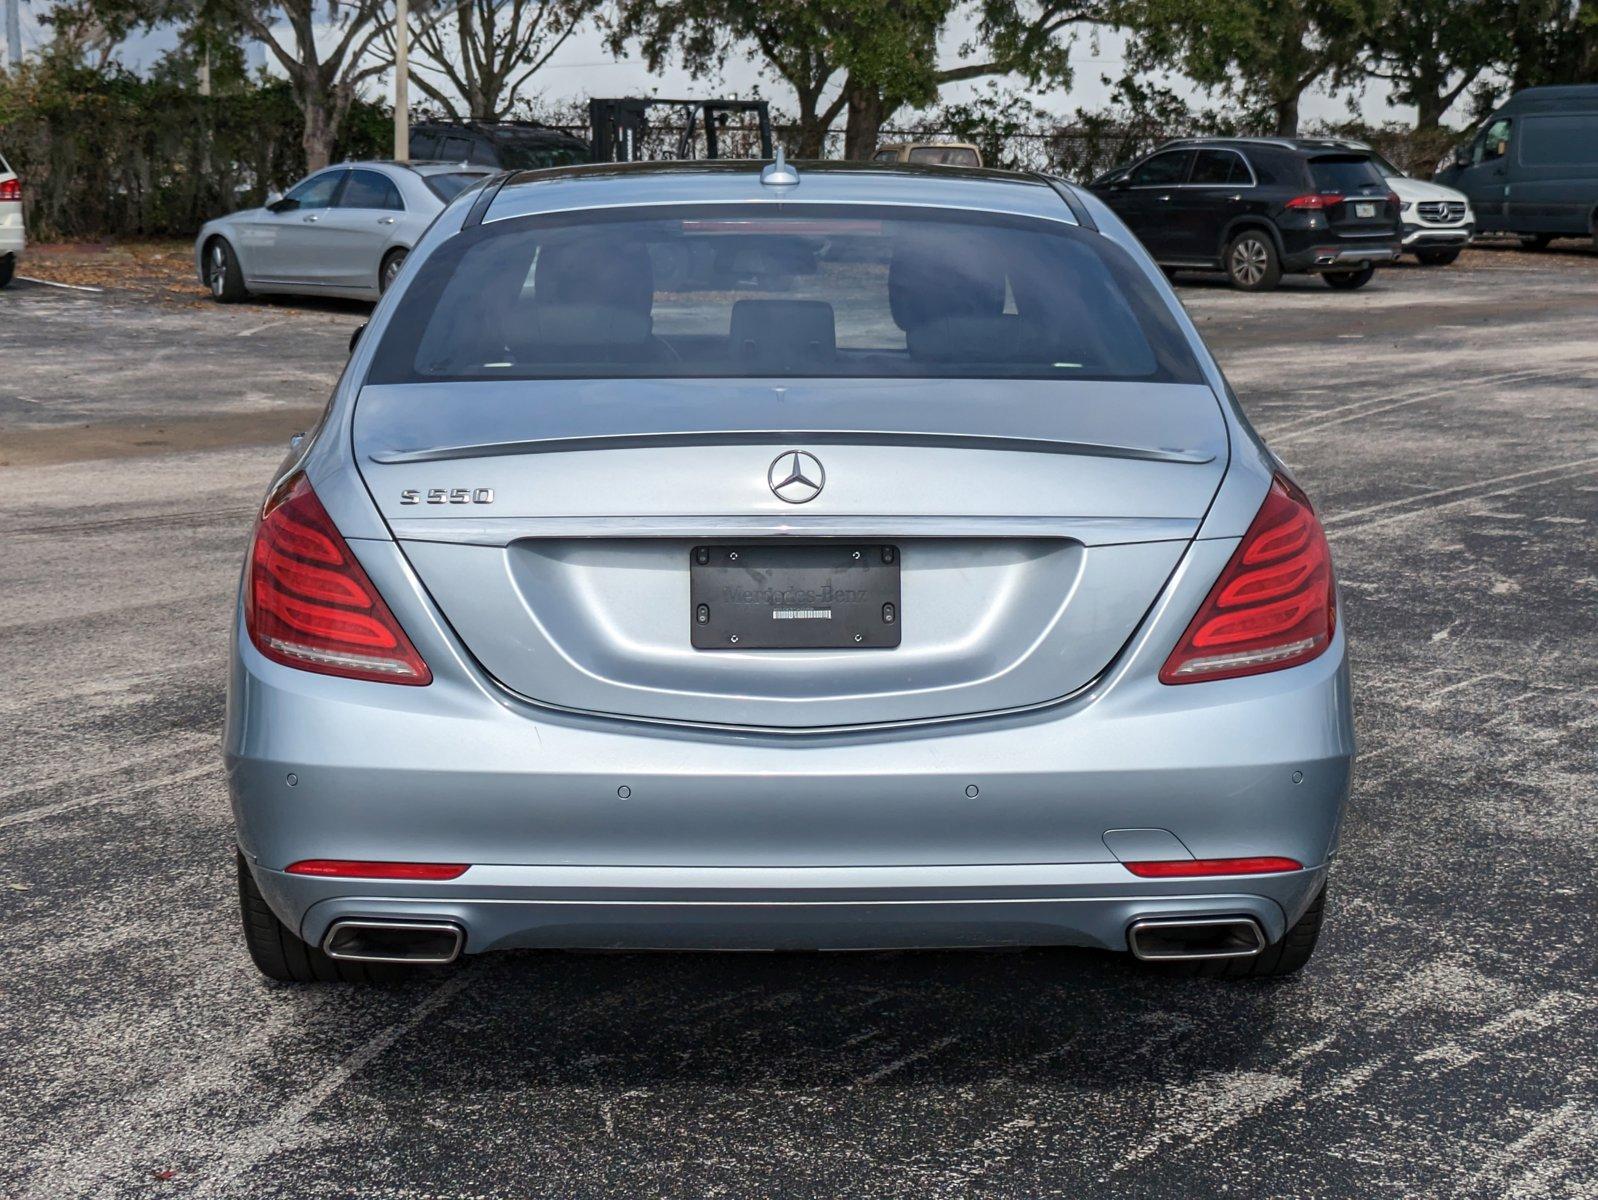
{"type": "Point", "coordinates": [1272, 607]}
{"type": "Point", "coordinates": [10, 189]}
{"type": "Point", "coordinates": [1316, 200]}
{"type": "Point", "coordinates": [308, 603]}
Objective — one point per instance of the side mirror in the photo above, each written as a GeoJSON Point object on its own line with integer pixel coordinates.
{"type": "Point", "coordinates": [355, 335]}
{"type": "Point", "coordinates": [282, 205]}
{"type": "Point", "coordinates": [1120, 183]}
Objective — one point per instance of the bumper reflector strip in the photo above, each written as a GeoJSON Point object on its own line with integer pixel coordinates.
{"type": "Point", "coordinates": [1185, 868]}
{"type": "Point", "coordinates": [345, 868]}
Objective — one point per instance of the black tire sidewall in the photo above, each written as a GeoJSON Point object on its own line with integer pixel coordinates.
{"type": "Point", "coordinates": [1350, 281]}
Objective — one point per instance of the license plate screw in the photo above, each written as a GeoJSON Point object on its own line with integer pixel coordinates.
{"type": "Point", "coordinates": [733, 638]}
{"type": "Point", "coordinates": [702, 614]}
{"type": "Point", "coordinates": [887, 554]}
{"type": "Point", "coordinates": [857, 554]}
{"type": "Point", "coordinates": [702, 555]}
{"type": "Point", "coordinates": [859, 637]}
{"type": "Point", "coordinates": [732, 556]}
{"type": "Point", "coordinates": [888, 614]}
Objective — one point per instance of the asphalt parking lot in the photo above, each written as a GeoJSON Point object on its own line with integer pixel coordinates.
{"type": "Point", "coordinates": [1443, 1043]}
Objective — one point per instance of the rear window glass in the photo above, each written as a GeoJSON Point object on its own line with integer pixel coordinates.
{"type": "Point", "coordinates": [815, 291]}
{"type": "Point", "coordinates": [1346, 174]}
{"type": "Point", "coordinates": [946, 156]}
{"type": "Point", "coordinates": [451, 184]}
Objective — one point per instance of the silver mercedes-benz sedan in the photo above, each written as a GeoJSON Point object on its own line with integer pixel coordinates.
{"type": "Point", "coordinates": [841, 556]}
{"type": "Point", "coordinates": [343, 231]}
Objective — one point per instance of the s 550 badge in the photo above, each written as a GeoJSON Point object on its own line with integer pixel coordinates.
{"type": "Point", "coordinates": [448, 496]}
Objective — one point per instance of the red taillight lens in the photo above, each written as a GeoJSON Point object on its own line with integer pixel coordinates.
{"type": "Point", "coordinates": [348, 868]}
{"type": "Point", "coordinates": [10, 189]}
{"type": "Point", "coordinates": [1189, 868]}
{"type": "Point", "coordinates": [1316, 200]}
{"type": "Point", "coordinates": [308, 604]}
{"type": "Point", "coordinates": [1273, 605]}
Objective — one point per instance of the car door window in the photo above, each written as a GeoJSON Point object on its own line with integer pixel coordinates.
{"type": "Point", "coordinates": [1161, 170]}
{"type": "Point", "coordinates": [455, 150]}
{"type": "Point", "coordinates": [369, 189]}
{"type": "Point", "coordinates": [1494, 141]}
{"type": "Point", "coordinates": [317, 191]}
{"type": "Point", "coordinates": [1219, 168]}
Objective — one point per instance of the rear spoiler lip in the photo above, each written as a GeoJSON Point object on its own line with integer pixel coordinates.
{"type": "Point", "coordinates": [825, 437]}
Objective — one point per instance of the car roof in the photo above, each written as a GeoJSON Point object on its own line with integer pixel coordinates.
{"type": "Point", "coordinates": [916, 185]}
{"type": "Point", "coordinates": [1279, 143]}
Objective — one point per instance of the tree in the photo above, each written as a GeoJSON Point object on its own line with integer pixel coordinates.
{"type": "Point", "coordinates": [879, 55]}
{"type": "Point", "coordinates": [1432, 51]}
{"type": "Point", "coordinates": [1261, 53]}
{"type": "Point", "coordinates": [473, 63]}
{"type": "Point", "coordinates": [1548, 41]}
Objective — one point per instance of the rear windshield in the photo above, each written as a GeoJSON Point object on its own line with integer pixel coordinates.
{"type": "Point", "coordinates": [447, 186]}
{"type": "Point", "coordinates": [810, 291]}
{"type": "Point", "coordinates": [1346, 174]}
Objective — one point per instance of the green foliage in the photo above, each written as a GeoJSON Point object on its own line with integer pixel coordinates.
{"type": "Point", "coordinates": [108, 152]}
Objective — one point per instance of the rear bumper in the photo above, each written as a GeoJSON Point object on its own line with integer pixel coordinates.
{"type": "Point", "coordinates": [810, 908]}
{"type": "Point", "coordinates": [1343, 257]}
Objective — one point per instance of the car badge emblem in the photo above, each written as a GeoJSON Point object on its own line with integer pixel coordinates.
{"type": "Point", "coordinates": [796, 477]}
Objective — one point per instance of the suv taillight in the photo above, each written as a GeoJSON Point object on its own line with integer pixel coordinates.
{"type": "Point", "coordinates": [10, 189]}
{"type": "Point", "coordinates": [1316, 200]}
{"type": "Point", "coordinates": [308, 603]}
{"type": "Point", "coordinates": [1274, 604]}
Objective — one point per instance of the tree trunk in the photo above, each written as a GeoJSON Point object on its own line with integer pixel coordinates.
{"type": "Point", "coordinates": [868, 112]}
{"type": "Point", "coordinates": [319, 132]}
{"type": "Point", "coordinates": [1428, 111]}
{"type": "Point", "coordinates": [1286, 109]}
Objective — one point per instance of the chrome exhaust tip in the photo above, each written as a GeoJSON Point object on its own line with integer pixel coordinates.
{"type": "Point", "coordinates": [414, 943]}
{"type": "Point", "coordinates": [1184, 939]}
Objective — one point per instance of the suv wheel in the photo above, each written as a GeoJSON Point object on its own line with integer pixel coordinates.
{"type": "Point", "coordinates": [1437, 258]}
{"type": "Point", "coordinates": [1347, 281]}
{"type": "Point", "coordinates": [1252, 262]}
{"type": "Point", "coordinates": [223, 279]}
{"type": "Point", "coordinates": [8, 268]}
{"type": "Point", "coordinates": [1535, 241]}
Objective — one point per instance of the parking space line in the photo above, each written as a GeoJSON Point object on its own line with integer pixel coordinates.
{"type": "Point", "coordinates": [71, 287]}
{"type": "Point", "coordinates": [43, 811]}
{"type": "Point", "coordinates": [1419, 505]}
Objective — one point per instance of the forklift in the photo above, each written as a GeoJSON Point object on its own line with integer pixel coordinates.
{"type": "Point", "coordinates": [619, 127]}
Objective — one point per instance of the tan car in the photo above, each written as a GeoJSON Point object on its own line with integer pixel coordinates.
{"type": "Point", "coordinates": [936, 154]}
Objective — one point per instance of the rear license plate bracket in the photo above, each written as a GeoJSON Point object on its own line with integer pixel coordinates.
{"type": "Point", "coordinates": [784, 597]}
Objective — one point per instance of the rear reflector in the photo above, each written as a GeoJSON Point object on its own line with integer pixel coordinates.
{"type": "Point", "coordinates": [346, 868]}
{"type": "Point", "coordinates": [1186, 868]}
{"type": "Point", "coordinates": [308, 603]}
{"type": "Point", "coordinates": [1273, 606]}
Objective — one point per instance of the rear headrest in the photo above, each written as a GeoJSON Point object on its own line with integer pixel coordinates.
{"type": "Point", "coordinates": [932, 278]}
{"type": "Point", "coordinates": [595, 271]}
{"type": "Point", "coordinates": [782, 335]}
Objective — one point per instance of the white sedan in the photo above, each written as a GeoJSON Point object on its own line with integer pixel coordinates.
{"type": "Point", "coordinates": [343, 231]}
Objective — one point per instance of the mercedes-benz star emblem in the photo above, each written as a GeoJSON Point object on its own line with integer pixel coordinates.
{"type": "Point", "coordinates": [796, 476]}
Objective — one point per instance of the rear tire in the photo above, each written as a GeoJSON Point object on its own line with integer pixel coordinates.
{"type": "Point", "coordinates": [1535, 241]}
{"type": "Point", "coordinates": [223, 278]}
{"type": "Point", "coordinates": [1279, 959]}
{"type": "Point", "coordinates": [1252, 263]}
{"type": "Point", "coordinates": [8, 269]}
{"type": "Point", "coordinates": [1347, 281]}
{"type": "Point", "coordinates": [279, 954]}
{"type": "Point", "coordinates": [1437, 258]}
{"type": "Point", "coordinates": [392, 262]}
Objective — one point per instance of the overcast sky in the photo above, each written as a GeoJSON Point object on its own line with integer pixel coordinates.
{"type": "Point", "coordinates": [583, 67]}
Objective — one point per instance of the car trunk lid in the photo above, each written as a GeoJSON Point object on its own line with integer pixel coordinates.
{"type": "Point", "coordinates": [554, 523]}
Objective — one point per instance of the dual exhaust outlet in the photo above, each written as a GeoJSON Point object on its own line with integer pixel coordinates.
{"type": "Point", "coordinates": [438, 943]}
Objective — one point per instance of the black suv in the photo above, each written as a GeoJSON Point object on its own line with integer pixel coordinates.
{"type": "Point", "coordinates": [509, 145]}
{"type": "Point", "coordinates": [1256, 207]}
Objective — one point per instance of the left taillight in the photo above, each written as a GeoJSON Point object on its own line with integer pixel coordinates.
{"type": "Point", "coordinates": [308, 603]}
{"type": "Point", "coordinates": [10, 189]}
{"type": "Point", "coordinates": [1274, 605]}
